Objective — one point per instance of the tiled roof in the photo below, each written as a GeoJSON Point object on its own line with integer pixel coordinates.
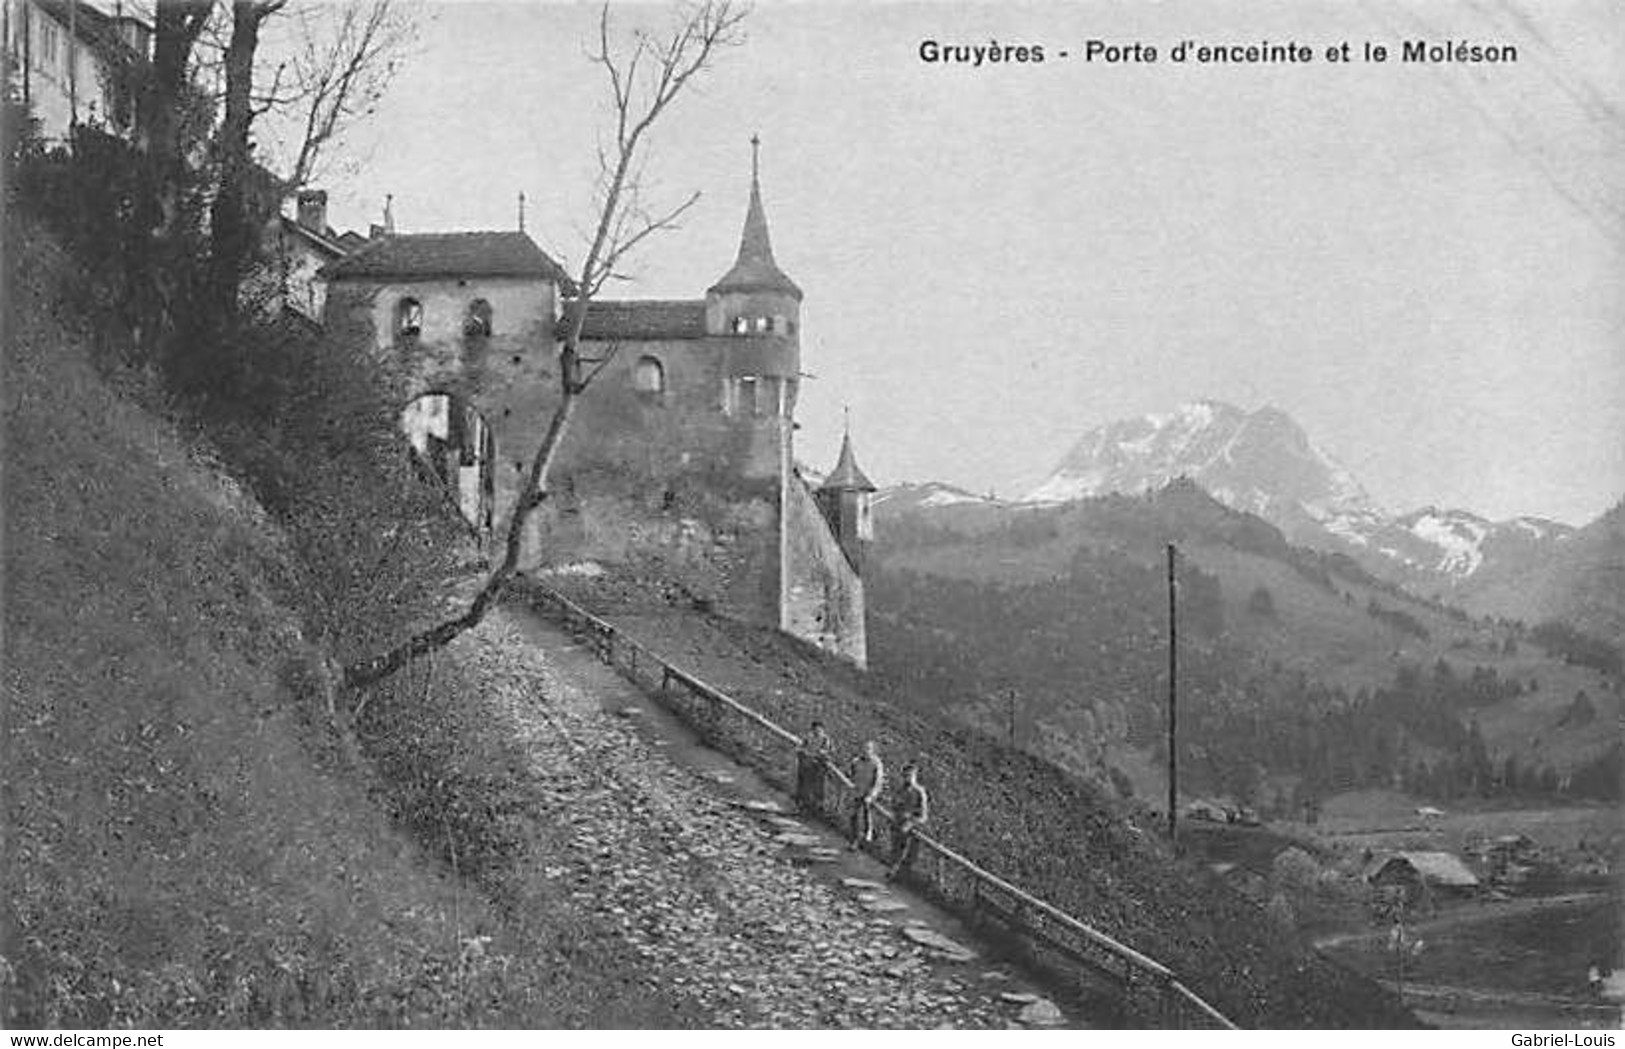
{"type": "Point", "coordinates": [847, 474]}
{"type": "Point", "coordinates": [643, 320]}
{"type": "Point", "coordinates": [1439, 867]}
{"type": "Point", "coordinates": [327, 243]}
{"type": "Point", "coordinates": [488, 253]}
{"type": "Point", "coordinates": [754, 269]}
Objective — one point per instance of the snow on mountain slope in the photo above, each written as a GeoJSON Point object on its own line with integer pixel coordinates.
{"type": "Point", "coordinates": [1263, 462]}
{"type": "Point", "coordinates": [1258, 461]}
{"type": "Point", "coordinates": [928, 494]}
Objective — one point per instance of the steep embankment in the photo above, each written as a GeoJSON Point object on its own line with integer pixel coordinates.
{"type": "Point", "coordinates": [187, 844]}
{"type": "Point", "coordinates": [1020, 816]}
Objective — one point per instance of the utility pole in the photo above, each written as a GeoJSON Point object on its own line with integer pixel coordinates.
{"type": "Point", "coordinates": [1010, 706]}
{"type": "Point", "coordinates": [1173, 704]}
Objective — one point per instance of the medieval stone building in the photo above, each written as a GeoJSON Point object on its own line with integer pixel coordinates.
{"type": "Point", "coordinates": [681, 455]}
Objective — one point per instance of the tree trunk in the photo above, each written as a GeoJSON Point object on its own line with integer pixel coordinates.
{"type": "Point", "coordinates": [531, 495]}
{"type": "Point", "coordinates": [232, 230]}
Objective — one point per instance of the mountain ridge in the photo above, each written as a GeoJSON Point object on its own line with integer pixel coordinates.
{"type": "Point", "coordinates": [1263, 462]}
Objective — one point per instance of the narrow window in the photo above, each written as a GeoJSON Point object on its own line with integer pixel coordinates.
{"type": "Point", "coordinates": [408, 318]}
{"type": "Point", "coordinates": [747, 394]}
{"type": "Point", "coordinates": [478, 321]}
{"type": "Point", "coordinates": [741, 325]}
{"type": "Point", "coordinates": [649, 376]}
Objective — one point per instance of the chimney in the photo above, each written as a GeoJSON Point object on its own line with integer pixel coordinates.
{"type": "Point", "coordinates": [313, 210]}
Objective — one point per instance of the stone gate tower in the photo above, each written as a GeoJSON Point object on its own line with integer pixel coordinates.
{"type": "Point", "coordinates": [680, 458]}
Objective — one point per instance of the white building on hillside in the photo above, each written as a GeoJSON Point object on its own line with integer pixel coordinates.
{"type": "Point", "coordinates": [63, 57]}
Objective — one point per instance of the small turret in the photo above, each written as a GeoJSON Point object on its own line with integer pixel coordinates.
{"type": "Point", "coordinates": [844, 497]}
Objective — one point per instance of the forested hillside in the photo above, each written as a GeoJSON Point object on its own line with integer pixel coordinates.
{"type": "Point", "coordinates": [1301, 674]}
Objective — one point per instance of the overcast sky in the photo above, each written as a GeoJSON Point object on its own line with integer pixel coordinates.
{"type": "Point", "coordinates": [1424, 265]}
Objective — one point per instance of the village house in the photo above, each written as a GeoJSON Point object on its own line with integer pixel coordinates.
{"type": "Point", "coordinates": [67, 57]}
{"type": "Point", "coordinates": [294, 249]}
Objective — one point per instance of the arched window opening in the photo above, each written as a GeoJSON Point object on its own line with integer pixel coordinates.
{"type": "Point", "coordinates": [478, 322]}
{"type": "Point", "coordinates": [741, 325]}
{"type": "Point", "coordinates": [649, 376]}
{"type": "Point", "coordinates": [409, 318]}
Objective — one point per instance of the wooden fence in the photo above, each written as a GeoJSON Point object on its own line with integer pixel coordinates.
{"type": "Point", "coordinates": [1150, 991]}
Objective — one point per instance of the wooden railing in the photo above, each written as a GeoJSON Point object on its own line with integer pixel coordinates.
{"type": "Point", "coordinates": [1149, 989]}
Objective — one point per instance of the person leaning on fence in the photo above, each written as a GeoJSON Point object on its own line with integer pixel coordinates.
{"type": "Point", "coordinates": [913, 809]}
{"type": "Point", "coordinates": [868, 779]}
{"type": "Point", "coordinates": [812, 768]}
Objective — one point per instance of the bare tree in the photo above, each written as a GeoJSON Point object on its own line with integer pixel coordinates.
{"type": "Point", "coordinates": [345, 58]}
{"type": "Point", "coordinates": [644, 79]}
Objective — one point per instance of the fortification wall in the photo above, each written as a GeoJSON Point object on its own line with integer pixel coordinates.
{"type": "Point", "coordinates": [822, 596]}
{"type": "Point", "coordinates": [680, 477]}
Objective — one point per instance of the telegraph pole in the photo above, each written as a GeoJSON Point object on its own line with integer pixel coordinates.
{"type": "Point", "coordinates": [1010, 707]}
{"type": "Point", "coordinates": [1173, 697]}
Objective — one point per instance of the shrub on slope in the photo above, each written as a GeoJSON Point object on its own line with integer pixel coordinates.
{"type": "Point", "coordinates": [185, 845]}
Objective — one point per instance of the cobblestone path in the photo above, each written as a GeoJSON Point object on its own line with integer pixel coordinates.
{"type": "Point", "coordinates": [705, 890]}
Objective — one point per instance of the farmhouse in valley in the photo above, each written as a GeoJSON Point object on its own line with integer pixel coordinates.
{"type": "Point", "coordinates": [1421, 875]}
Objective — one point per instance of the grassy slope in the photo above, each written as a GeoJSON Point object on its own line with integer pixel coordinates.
{"type": "Point", "coordinates": [1026, 820]}
{"type": "Point", "coordinates": [184, 843]}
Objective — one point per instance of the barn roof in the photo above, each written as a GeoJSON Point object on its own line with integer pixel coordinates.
{"type": "Point", "coordinates": [1440, 868]}
{"type": "Point", "coordinates": [424, 256]}
{"type": "Point", "coordinates": [640, 320]}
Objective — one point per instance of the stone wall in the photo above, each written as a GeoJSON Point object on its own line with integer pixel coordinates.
{"type": "Point", "coordinates": [681, 482]}
{"type": "Point", "coordinates": [822, 596]}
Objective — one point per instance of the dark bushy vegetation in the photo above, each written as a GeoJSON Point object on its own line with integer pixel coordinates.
{"type": "Point", "coordinates": [1574, 646]}
{"type": "Point", "coordinates": [1399, 619]}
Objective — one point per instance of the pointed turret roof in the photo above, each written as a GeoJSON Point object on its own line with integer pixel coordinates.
{"type": "Point", "coordinates": [754, 269]}
{"type": "Point", "coordinates": [847, 476]}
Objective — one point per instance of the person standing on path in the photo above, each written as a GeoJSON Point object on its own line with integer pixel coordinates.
{"type": "Point", "coordinates": [868, 779]}
{"type": "Point", "coordinates": [812, 769]}
{"type": "Point", "coordinates": [913, 809]}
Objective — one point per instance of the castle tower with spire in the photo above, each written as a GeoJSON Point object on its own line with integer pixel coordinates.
{"type": "Point", "coordinates": [754, 297]}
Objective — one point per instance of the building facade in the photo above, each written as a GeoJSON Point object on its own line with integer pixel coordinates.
{"type": "Point", "coordinates": [67, 59]}
{"type": "Point", "coordinates": [682, 449]}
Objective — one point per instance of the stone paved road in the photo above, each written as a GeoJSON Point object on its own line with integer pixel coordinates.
{"type": "Point", "coordinates": [701, 888]}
